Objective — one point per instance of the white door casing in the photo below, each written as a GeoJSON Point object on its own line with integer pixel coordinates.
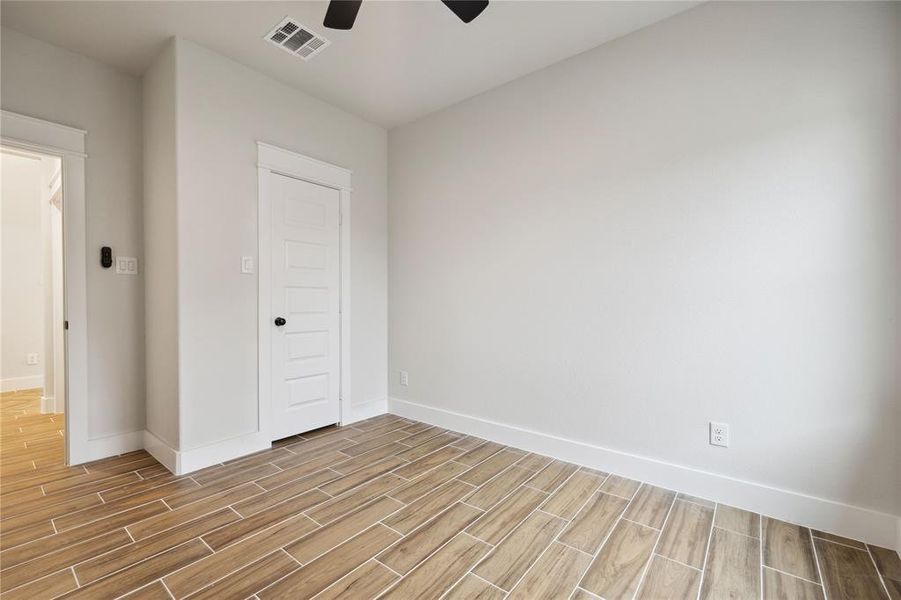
{"type": "Point", "coordinates": [306, 295]}
{"type": "Point", "coordinates": [68, 143]}
{"type": "Point", "coordinates": [277, 161]}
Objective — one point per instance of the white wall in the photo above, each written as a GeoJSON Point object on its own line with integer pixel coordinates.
{"type": "Point", "coordinates": [21, 304]}
{"type": "Point", "coordinates": [696, 222]}
{"type": "Point", "coordinates": [47, 82]}
{"type": "Point", "coordinates": [161, 247]}
{"type": "Point", "coordinates": [222, 110]}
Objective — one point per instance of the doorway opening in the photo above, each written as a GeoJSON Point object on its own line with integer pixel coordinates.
{"type": "Point", "coordinates": [32, 310]}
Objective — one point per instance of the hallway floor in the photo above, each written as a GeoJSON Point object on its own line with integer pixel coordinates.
{"type": "Point", "coordinates": [390, 508]}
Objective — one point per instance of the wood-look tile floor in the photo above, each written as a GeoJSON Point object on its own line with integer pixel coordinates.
{"type": "Point", "coordinates": [390, 508]}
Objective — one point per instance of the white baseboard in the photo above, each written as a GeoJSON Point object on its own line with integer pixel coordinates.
{"type": "Point", "coordinates": [161, 451]}
{"type": "Point", "coordinates": [181, 462]}
{"type": "Point", "coordinates": [48, 405]}
{"type": "Point", "coordinates": [105, 447]}
{"type": "Point", "coordinates": [14, 384]}
{"type": "Point", "coordinates": [364, 410]}
{"type": "Point", "coordinates": [843, 519]}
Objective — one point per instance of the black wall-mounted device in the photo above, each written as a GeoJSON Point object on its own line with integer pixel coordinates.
{"type": "Point", "coordinates": [106, 257]}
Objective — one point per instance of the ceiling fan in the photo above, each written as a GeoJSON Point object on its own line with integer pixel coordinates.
{"type": "Point", "coordinates": [341, 14]}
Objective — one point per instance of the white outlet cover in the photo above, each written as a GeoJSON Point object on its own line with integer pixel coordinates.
{"type": "Point", "coordinates": [404, 378]}
{"type": "Point", "coordinates": [719, 434]}
{"type": "Point", "coordinates": [247, 264]}
{"type": "Point", "coordinates": [126, 265]}
{"type": "Point", "coordinates": [31, 358]}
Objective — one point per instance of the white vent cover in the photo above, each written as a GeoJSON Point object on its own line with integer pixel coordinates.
{"type": "Point", "coordinates": [297, 39]}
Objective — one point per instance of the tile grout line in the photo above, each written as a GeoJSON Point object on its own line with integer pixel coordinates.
{"type": "Point", "coordinates": [707, 551]}
{"type": "Point", "coordinates": [647, 565]}
{"type": "Point", "coordinates": [878, 571]}
{"type": "Point", "coordinates": [760, 555]}
{"type": "Point", "coordinates": [551, 543]}
{"type": "Point", "coordinates": [792, 575]}
{"type": "Point", "coordinates": [678, 562]}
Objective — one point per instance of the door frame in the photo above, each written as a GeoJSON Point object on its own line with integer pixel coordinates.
{"type": "Point", "coordinates": [279, 161]}
{"type": "Point", "coordinates": [68, 144]}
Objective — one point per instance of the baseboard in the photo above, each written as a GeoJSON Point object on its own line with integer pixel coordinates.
{"type": "Point", "coordinates": [14, 384]}
{"type": "Point", "coordinates": [843, 519]}
{"type": "Point", "coordinates": [364, 410]}
{"type": "Point", "coordinates": [48, 405]}
{"type": "Point", "coordinates": [105, 447]}
{"type": "Point", "coordinates": [181, 462]}
{"type": "Point", "coordinates": [161, 451]}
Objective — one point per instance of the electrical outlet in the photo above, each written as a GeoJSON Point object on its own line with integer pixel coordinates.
{"type": "Point", "coordinates": [719, 434]}
{"type": "Point", "coordinates": [404, 378]}
{"type": "Point", "coordinates": [31, 358]}
{"type": "Point", "coordinates": [247, 264]}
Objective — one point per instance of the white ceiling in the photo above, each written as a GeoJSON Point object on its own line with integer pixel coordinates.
{"type": "Point", "coordinates": [402, 59]}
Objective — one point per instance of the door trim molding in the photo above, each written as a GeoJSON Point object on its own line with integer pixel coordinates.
{"type": "Point", "coordinates": [272, 159]}
{"type": "Point", "coordinates": [68, 143]}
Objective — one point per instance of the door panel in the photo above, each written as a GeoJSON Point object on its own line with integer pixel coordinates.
{"type": "Point", "coordinates": [305, 280]}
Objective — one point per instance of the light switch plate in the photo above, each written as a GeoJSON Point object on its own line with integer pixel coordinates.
{"type": "Point", "coordinates": [126, 265]}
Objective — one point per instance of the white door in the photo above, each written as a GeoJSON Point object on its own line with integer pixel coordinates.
{"type": "Point", "coordinates": [305, 299]}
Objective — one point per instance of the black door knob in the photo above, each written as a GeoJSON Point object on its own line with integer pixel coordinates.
{"type": "Point", "coordinates": [279, 321]}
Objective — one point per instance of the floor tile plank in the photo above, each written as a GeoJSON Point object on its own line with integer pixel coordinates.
{"type": "Point", "coordinates": [212, 568]}
{"type": "Point", "coordinates": [441, 570]}
{"type": "Point", "coordinates": [668, 579]}
{"type": "Point", "coordinates": [737, 520]}
{"type": "Point", "coordinates": [415, 547]}
{"type": "Point", "coordinates": [650, 505]}
{"type": "Point", "coordinates": [788, 548]}
{"type": "Point", "coordinates": [487, 469]}
{"type": "Point", "coordinates": [782, 586]}
{"type": "Point", "coordinates": [733, 567]}
{"type": "Point", "coordinates": [687, 531]}
{"type": "Point", "coordinates": [552, 476]}
{"type": "Point", "coordinates": [505, 516]}
{"type": "Point", "coordinates": [591, 525]}
{"type": "Point", "coordinates": [317, 542]}
{"type": "Point", "coordinates": [567, 564]}
{"type": "Point", "coordinates": [420, 511]}
{"type": "Point", "coordinates": [513, 557]}
{"type": "Point", "coordinates": [498, 488]}
{"type": "Point", "coordinates": [617, 569]}
{"type": "Point", "coordinates": [473, 588]}
{"type": "Point", "coordinates": [428, 482]}
{"type": "Point", "coordinates": [250, 579]}
{"type": "Point", "coordinates": [142, 573]}
{"type": "Point", "coordinates": [366, 581]}
{"type": "Point", "coordinates": [847, 572]}
{"type": "Point", "coordinates": [572, 495]}
{"type": "Point", "coordinates": [322, 572]}
{"type": "Point", "coordinates": [620, 486]}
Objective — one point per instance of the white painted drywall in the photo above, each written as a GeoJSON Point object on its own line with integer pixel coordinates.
{"type": "Point", "coordinates": [161, 247]}
{"type": "Point", "coordinates": [222, 109]}
{"type": "Point", "coordinates": [50, 83]}
{"type": "Point", "coordinates": [696, 222]}
{"type": "Point", "coordinates": [21, 303]}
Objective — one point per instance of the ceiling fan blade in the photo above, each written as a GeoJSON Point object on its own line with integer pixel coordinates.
{"type": "Point", "coordinates": [467, 10]}
{"type": "Point", "coordinates": [341, 14]}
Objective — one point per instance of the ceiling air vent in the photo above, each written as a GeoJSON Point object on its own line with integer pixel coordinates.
{"type": "Point", "coordinates": [292, 37]}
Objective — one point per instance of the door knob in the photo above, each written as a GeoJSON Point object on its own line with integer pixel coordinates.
{"type": "Point", "coordinates": [279, 321]}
